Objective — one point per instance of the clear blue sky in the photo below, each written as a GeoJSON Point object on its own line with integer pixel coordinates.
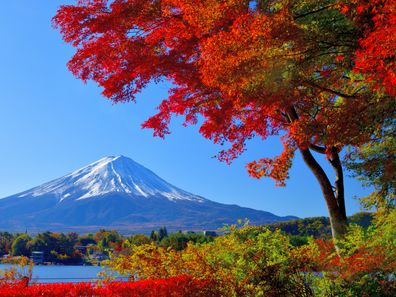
{"type": "Point", "coordinates": [52, 124]}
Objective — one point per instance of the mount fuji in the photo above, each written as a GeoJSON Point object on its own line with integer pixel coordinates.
{"type": "Point", "coordinates": [116, 192]}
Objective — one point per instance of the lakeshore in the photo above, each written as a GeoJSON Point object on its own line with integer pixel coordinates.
{"type": "Point", "coordinates": [62, 273]}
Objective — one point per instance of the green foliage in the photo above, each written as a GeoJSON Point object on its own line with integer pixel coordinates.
{"type": "Point", "coordinates": [154, 236]}
{"type": "Point", "coordinates": [137, 239]}
{"type": "Point", "coordinates": [55, 246]}
{"type": "Point", "coordinates": [6, 240]}
{"type": "Point", "coordinates": [162, 233]}
{"type": "Point", "coordinates": [20, 246]}
{"type": "Point", "coordinates": [257, 261]}
{"type": "Point", "coordinates": [86, 240]}
{"type": "Point", "coordinates": [363, 219]}
{"type": "Point", "coordinates": [71, 248]}
{"type": "Point", "coordinates": [383, 233]}
{"type": "Point", "coordinates": [108, 240]}
{"type": "Point", "coordinates": [298, 240]}
{"type": "Point", "coordinates": [317, 227]}
{"type": "Point", "coordinates": [157, 236]}
{"type": "Point", "coordinates": [368, 265]}
{"type": "Point", "coordinates": [374, 164]}
{"type": "Point", "coordinates": [245, 262]}
{"type": "Point", "coordinates": [178, 241]}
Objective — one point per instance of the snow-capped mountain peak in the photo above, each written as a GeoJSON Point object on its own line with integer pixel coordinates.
{"type": "Point", "coordinates": [113, 174]}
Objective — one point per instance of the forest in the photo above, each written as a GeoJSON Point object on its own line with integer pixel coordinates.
{"type": "Point", "coordinates": [295, 258]}
{"type": "Point", "coordinates": [75, 249]}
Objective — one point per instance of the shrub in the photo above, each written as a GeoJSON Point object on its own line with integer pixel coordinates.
{"type": "Point", "coordinates": [245, 262]}
{"type": "Point", "coordinates": [368, 264]}
{"type": "Point", "coordinates": [179, 286]}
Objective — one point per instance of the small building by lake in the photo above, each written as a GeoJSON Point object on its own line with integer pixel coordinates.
{"type": "Point", "coordinates": [209, 233]}
{"type": "Point", "coordinates": [37, 257]}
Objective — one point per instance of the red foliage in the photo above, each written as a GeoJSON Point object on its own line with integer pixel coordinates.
{"type": "Point", "coordinates": [377, 58]}
{"type": "Point", "coordinates": [182, 285]}
{"type": "Point", "coordinates": [362, 262]}
{"type": "Point", "coordinates": [240, 68]}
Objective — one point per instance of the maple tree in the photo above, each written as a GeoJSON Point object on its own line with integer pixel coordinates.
{"type": "Point", "coordinates": [319, 74]}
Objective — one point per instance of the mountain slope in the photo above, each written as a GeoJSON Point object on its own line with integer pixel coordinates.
{"type": "Point", "coordinates": [116, 192]}
{"type": "Point", "coordinates": [109, 175]}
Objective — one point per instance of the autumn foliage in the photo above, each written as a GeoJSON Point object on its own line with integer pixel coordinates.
{"type": "Point", "coordinates": [318, 74]}
{"type": "Point", "coordinates": [254, 261]}
{"type": "Point", "coordinates": [245, 261]}
{"type": "Point", "coordinates": [182, 285]}
{"type": "Point", "coordinates": [376, 58]}
{"type": "Point", "coordinates": [242, 65]}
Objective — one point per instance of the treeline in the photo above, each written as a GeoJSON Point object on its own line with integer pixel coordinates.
{"type": "Point", "coordinates": [256, 261]}
{"type": "Point", "coordinates": [72, 248]}
{"type": "Point", "coordinates": [177, 240]}
{"type": "Point", "coordinates": [317, 227]}
{"type": "Point", "coordinates": [69, 248]}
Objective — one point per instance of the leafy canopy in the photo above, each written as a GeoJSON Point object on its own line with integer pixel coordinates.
{"type": "Point", "coordinates": [321, 74]}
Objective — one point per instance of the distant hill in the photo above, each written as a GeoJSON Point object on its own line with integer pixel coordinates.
{"type": "Point", "coordinates": [318, 227]}
{"type": "Point", "coordinates": [118, 193]}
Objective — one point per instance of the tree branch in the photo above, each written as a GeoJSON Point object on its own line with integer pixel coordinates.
{"type": "Point", "coordinates": [324, 89]}
{"type": "Point", "coordinates": [318, 149]}
{"type": "Point", "coordinates": [334, 198]}
{"type": "Point", "coordinates": [312, 12]}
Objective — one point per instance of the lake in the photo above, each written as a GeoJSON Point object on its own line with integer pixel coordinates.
{"type": "Point", "coordinates": [62, 274]}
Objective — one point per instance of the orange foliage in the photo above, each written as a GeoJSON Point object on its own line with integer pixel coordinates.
{"type": "Point", "coordinates": [243, 66]}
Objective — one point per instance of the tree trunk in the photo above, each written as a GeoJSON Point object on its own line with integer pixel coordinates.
{"type": "Point", "coordinates": [334, 196]}
{"type": "Point", "coordinates": [335, 199]}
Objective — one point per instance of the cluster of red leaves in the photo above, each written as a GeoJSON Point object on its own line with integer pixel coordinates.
{"type": "Point", "coordinates": [238, 68]}
{"type": "Point", "coordinates": [182, 285]}
{"type": "Point", "coordinates": [125, 45]}
{"type": "Point", "coordinates": [365, 271]}
{"type": "Point", "coordinates": [277, 168]}
{"type": "Point", "coordinates": [363, 261]}
{"type": "Point", "coordinates": [377, 58]}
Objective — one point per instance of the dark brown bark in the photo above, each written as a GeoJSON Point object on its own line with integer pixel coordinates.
{"type": "Point", "coordinates": [339, 180]}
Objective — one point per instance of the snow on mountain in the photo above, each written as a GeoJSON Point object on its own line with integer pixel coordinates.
{"type": "Point", "coordinates": [118, 193]}
{"type": "Point", "coordinates": [113, 174]}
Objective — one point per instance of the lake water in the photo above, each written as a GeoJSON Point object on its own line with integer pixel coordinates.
{"type": "Point", "coordinates": [62, 274]}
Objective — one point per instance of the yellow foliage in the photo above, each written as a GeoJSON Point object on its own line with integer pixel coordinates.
{"type": "Point", "coordinates": [245, 262]}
